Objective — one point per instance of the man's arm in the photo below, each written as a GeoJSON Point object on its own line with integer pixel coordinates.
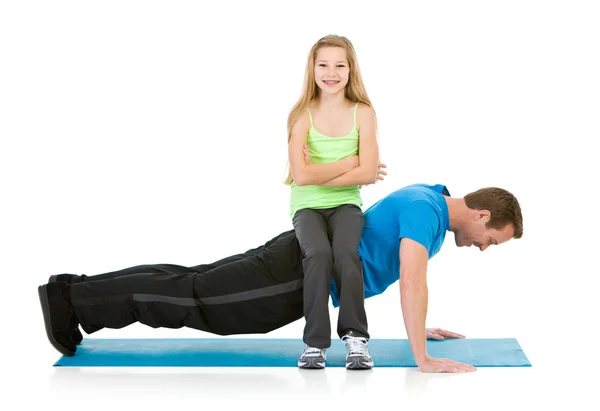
{"type": "Point", "coordinates": [312, 174]}
{"type": "Point", "coordinates": [368, 152]}
{"type": "Point", "coordinates": [414, 294]}
{"type": "Point", "coordinates": [414, 298]}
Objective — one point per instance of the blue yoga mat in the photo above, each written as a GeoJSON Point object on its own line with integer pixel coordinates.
{"type": "Point", "coordinates": [266, 352]}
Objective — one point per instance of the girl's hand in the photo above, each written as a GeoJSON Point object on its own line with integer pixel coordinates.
{"type": "Point", "coordinates": [380, 172]}
{"type": "Point", "coordinates": [306, 155]}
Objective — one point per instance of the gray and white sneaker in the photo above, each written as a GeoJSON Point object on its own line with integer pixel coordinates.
{"type": "Point", "coordinates": [357, 353]}
{"type": "Point", "coordinates": [313, 358]}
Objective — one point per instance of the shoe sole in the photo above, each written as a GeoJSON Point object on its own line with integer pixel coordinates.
{"type": "Point", "coordinates": [48, 324]}
{"type": "Point", "coordinates": [311, 364]}
{"type": "Point", "coordinates": [359, 365]}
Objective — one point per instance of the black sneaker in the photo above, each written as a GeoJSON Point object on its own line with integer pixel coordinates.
{"type": "Point", "coordinates": [59, 318]}
{"type": "Point", "coordinates": [77, 337]}
{"type": "Point", "coordinates": [312, 358]}
{"type": "Point", "coordinates": [357, 353]}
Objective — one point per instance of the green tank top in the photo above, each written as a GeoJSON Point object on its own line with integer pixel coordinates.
{"type": "Point", "coordinates": [324, 149]}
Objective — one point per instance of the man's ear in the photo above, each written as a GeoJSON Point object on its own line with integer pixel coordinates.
{"type": "Point", "coordinates": [484, 214]}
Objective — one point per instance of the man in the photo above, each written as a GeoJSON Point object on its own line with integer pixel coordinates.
{"type": "Point", "coordinates": [261, 290]}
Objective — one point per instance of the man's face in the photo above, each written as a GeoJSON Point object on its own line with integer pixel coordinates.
{"type": "Point", "coordinates": [474, 232]}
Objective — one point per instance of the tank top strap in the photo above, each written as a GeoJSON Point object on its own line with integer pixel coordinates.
{"type": "Point", "coordinates": [310, 117]}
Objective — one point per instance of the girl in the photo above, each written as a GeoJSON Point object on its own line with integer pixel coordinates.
{"type": "Point", "coordinates": [332, 149]}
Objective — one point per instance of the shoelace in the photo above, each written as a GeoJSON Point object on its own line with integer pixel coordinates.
{"type": "Point", "coordinates": [356, 346]}
{"type": "Point", "coordinates": [312, 352]}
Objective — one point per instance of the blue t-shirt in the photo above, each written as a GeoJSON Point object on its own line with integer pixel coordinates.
{"type": "Point", "coordinates": [418, 212]}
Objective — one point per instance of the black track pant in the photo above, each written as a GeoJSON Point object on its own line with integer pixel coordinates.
{"type": "Point", "coordinates": [255, 292]}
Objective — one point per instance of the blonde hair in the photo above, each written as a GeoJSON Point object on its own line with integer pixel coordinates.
{"type": "Point", "coordinates": [354, 91]}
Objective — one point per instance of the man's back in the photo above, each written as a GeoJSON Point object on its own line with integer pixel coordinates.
{"type": "Point", "coordinates": [418, 212]}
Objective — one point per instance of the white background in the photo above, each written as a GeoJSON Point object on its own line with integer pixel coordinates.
{"type": "Point", "coordinates": [141, 132]}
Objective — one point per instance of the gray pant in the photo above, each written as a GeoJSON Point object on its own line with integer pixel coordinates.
{"type": "Point", "coordinates": [329, 239]}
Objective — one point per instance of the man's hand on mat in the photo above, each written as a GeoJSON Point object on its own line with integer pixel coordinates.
{"type": "Point", "coordinates": [439, 334]}
{"type": "Point", "coordinates": [429, 364]}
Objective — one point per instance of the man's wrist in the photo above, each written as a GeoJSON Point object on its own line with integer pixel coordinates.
{"type": "Point", "coordinates": [420, 358]}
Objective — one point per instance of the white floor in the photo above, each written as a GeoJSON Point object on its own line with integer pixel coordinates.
{"type": "Point", "coordinates": [290, 388]}
{"type": "Point", "coordinates": [276, 388]}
